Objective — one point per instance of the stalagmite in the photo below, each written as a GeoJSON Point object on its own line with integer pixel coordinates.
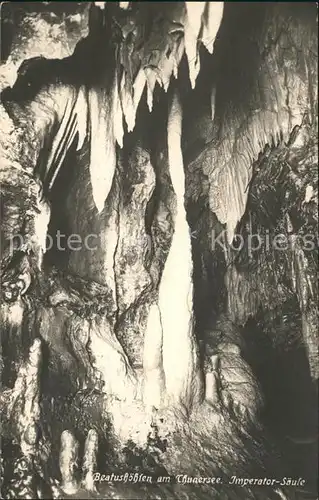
{"type": "Point", "coordinates": [211, 394]}
{"type": "Point", "coordinates": [154, 382]}
{"type": "Point", "coordinates": [180, 361]}
{"type": "Point", "coordinates": [68, 462]}
{"type": "Point", "coordinates": [89, 460]}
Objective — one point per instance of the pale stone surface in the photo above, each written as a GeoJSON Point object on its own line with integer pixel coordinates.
{"type": "Point", "coordinates": [154, 376]}
{"type": "Point", "coordinates": [42, 32]}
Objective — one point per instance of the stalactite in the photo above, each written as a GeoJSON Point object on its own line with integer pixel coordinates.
{"type": "Point", "coordinates": [202, 23]}
{"type": "Point", "coordinates": [138, 87]}
{"type": "Point", "coordinates": [102, 106]}
{"type": "Point", "coordinates": [191, 32]}
{"type": "Point", "coordinates": [199, 17]}
{"type": "Point", "coordinates": [117, 113]}
{"type": "Point", "coordinates": [102, 147]}
{"type": "Point", "coordinates": [151, 82]}
{"type": "Point", "coordinates": [212, 18]}
{"type": "Point", "coordinates": [282, 86]}
{"type": "Point", "coordinates": [124, 5]}
{"type": "Point", "coordinates": [130, 96]}
{"type": "Point", "coordinates": [228, 195]}
{"type": "Point", "coordinates": [176, 288]}
{"type": "Point", "coordinates": [72, 124]}
{"type": "Point", "coordinates": [106, 110]}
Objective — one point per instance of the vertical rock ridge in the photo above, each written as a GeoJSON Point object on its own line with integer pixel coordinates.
{"type": "Point", "coordinates": [175, 298]}
{"type": "Point", "coordinates": [154, 377]}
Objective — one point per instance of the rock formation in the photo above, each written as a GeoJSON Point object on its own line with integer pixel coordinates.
{"type": "Point", "coordinates": [158, 198]}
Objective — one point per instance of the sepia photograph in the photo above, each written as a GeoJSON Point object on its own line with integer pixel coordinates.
{"type": "Point", "coordinates": [159, 250]}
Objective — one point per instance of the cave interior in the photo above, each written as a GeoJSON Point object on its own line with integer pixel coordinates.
{"type": "Point", "coordinates": [249, 151]}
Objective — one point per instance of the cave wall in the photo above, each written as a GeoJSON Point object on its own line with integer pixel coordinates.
{"type": "Point", "coordinates": [39, 30]}
{"type": "Point", "coordinates": [260, 152]}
